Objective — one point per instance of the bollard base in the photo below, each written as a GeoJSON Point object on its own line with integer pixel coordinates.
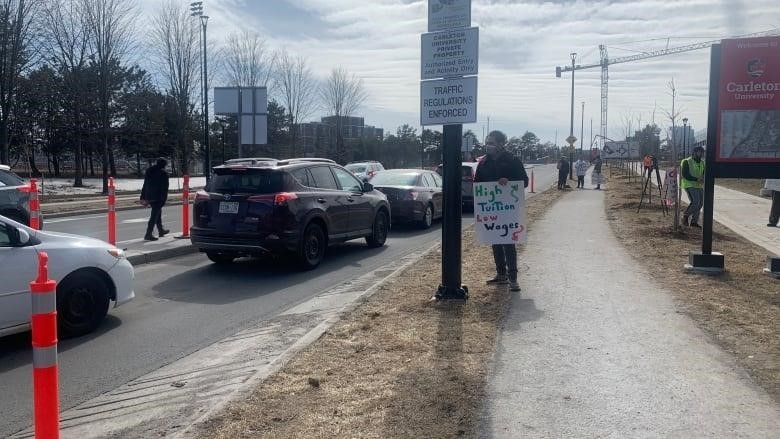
{"type": "Point", "coordinates": [450, 293]}
{"type": "Point", "coordinates": [713, 263]}
{"type": "Point", "coordinates": [772, 266]}
{"type": "Point", "coordinates": [181, 237]}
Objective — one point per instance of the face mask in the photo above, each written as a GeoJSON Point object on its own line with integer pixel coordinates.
{"type": "Point", "coordinates": [491, 149]}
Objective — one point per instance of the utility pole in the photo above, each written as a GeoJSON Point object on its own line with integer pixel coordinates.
{"type": "Point", "coordinates": [582, 126]}
{"type": "Point", "coordinates": [196, 9]}
{"type": "Point", "coordinates": [571, 121]}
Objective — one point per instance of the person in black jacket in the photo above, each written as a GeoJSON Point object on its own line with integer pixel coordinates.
{"type": "Point", "coordinates": [154, 194]}
{"type": "Point", "coordinates": [563, 172]}
{"type": "Point", "coordinates": [501, 166]}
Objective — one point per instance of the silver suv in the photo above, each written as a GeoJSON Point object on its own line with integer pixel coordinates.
{"type": "Point", "coordinates": [14, 196]}
{"type": "Point", "coordinates": [365, 170]}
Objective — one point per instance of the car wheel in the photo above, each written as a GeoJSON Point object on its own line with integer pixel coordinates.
{"type": "Point", "coordinates": [311, 249]}
{"type": "Point", "coordinates": [220, 258]}
{"type": "Point", "coordinates": [427, 218]}
{"type": "Point", "coordinates": [378, 230]}
{"type": "Point", "coordinates": [82, 303]}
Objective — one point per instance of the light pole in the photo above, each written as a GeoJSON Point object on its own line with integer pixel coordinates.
{"type": "Point", "coordinates": [571, 122]}
{"type": "Point", "coordinates": [196, 9]}
{"type": "Point", "coordinates": [582, 126]}
{"type": "Point", "coordinates": [685, 137]}
{"type": "Point", "coordinates": [222, 123]}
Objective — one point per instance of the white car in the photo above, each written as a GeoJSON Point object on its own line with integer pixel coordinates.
{"type": "Point", "coordinates": [90, 274]}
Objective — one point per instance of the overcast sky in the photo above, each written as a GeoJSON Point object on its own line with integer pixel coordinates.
{"type": "Point", "coordinates": [520, 45]}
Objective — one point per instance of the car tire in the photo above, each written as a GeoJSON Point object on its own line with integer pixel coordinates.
{"type": "Point", "coordinates": [311, 249]}
{"type": "Point", "coordinates": [82, 303]}
{"type": "Point", "coordinates": [220, 258]}
{"type": "Point", "coordinates": [427, 219]}
{"type": "Point", "coordinates": [379, 230]}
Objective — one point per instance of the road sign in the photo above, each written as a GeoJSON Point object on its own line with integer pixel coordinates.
{"type": "Point", "coordinates": [448, 14]}
{"type": "Point", "coordinates": [450, 53]}
{"type": "Point", "coordinates": [570, 140]}
{"type": "Point", "coordinates": [448, 101]}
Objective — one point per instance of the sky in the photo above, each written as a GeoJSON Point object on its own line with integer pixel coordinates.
{"type": "Point", "coordinates": [521, 43]}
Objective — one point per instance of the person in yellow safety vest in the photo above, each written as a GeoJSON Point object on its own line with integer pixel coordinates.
{"type": "Point", "coordinates": [692, 181]}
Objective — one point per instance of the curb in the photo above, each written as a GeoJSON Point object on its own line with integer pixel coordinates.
{"type": "Point", "coordinates": [88, 212]}
{"type": "Point", "coordinates": [155, 256]}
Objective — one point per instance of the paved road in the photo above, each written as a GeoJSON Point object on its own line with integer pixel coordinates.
{"type": "Point", "coordinates": [183, 305]}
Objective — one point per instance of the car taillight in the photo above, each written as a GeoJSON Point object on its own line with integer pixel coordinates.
{"type": "Point", "coordinates": [282, 198]}
{"type": "Point", "coordinates": [411, 195]}
{"type": "Point", "coordinates": [202, 196]}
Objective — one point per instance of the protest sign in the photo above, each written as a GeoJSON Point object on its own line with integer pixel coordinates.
{"type": "Point", "coordinates": [670, 187]}
{"type": "Point", "coordinates": [499, 212]}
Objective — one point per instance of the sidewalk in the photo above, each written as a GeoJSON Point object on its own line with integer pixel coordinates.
{"type": "Point", "coordinates": [593, 348]}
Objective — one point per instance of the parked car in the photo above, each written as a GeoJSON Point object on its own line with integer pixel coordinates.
{"type": "Point", "coordinates": [365, 170]}
{"type": "Point", "coordinates": [415, 195]}
{"type": "Point", "coordinates": [89, 274]}
{"type": "Point", "coordinates": [249, 160]}
{"type": "Point", "coordinates": [468, 171]}
{"type": "Point", "coordinates": [14, 197]}
{"type": "Point", "coordinates": [297, 206]}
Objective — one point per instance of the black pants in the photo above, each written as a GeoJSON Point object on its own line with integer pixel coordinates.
{"type": "Point", "coordinates": [562, 181]}
{"type": "Point", "coordinates": [505, 256]}
{"type": "Point", "coordinates": [774, 212]}
{"type": "Point", "coordinates": [696, 197]}
{"type": "Point", "coordinates": [155, 218]}
{"type": "Point", "coordinates": [581, 181]}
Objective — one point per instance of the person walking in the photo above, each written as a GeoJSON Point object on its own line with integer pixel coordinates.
{"type": "Point", "coordinates": [154, 194]}
{"type": "Point", "coordinates": [692, 182]}
{"type": "Point", "coordinates": [563, 172]}
{"type": "Point", "coordinates": [581, 168]}
{"type": "Point", "coordinates": [596, 177]}
{"type": "Point", "coordinates": [774, 211]}
{"type": "Point", "coordinates": [502, 166]}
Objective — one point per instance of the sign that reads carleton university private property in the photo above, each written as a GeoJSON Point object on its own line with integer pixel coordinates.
{"type": "Point", "coordinates": [499, 212]}
{"type": "Point", "coordinates": [749, 101]}
{"type": "Point", "coordinates": [448, 101]}
{"type": "Point", "coordinates": [450, 53]}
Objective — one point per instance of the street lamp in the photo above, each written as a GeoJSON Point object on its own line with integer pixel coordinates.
{"type": "Point", "coordinates": [196, 10]}
{"type": "Point", "coordinates": [571, 122]}
{"type": "Point", "coordinates": [685, 137]}
{"type": "Point", "coordinates": [222, 123]}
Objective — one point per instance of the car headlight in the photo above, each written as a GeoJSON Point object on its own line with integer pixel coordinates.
{"type": "Point", "coordinates": [117, 253]}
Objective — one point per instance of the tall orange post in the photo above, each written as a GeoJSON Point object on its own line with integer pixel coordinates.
{"type": "Point", "coordinates": [111, 211]}
{"type": "Point", "coordinates": [44, 341]}
{"type": "Point", "coordinates": [35, 206]}
{"type": "Point", "coordinates": [185, 207]}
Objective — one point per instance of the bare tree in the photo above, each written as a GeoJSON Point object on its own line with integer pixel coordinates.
{"type": "Point", "coordinates": [342, 94]}
{"type": "Point", "coordinates": [673, 115]}
{"type": "Point", "coordinates": [66, 44]}
{"type": "Point", "coordinates": [247, 60]}
{"type": "Point", "coordinates": [175, 43]}
{"type": "Point", "coordinates": [16, 18]}
{"type": "Point", "coordinates": [296, 86]}
{"type": "Point", "coordinates": [110, 35]}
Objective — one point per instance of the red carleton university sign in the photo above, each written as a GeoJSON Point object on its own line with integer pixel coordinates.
{"type": "Point", "coordinates": [749, 101]}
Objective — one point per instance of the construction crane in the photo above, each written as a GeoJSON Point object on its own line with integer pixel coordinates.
{"type": "Point", "coordinates": [606, 62]}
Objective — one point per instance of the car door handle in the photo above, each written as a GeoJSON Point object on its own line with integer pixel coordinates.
{"type": "Point", "coordinates": [350, 199]}
{"type": "Point", "coordinates": [321, 200]}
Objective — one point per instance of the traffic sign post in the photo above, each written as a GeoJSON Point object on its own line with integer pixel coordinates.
{"type": "Point", "coordinates": [570, 140]}
{"type": "Point", "coordinates": [448, 96]}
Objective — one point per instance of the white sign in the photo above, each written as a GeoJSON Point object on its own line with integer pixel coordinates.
{"type": "Point", "coordinates": [499, 212]}
{"type": "Point", "coordinates": [448, 101]}
{"type": "Point", "coordinates": [450, 53]}
{"type": "Point", "coordinates": [620, 150]}
{"type": "Point", "coordinates": [448, 14]}
{"type": "Point", "coordinates": [670, 187]}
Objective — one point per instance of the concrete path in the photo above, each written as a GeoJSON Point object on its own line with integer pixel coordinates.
{"type": "Point", "coordinates": [593, 348]}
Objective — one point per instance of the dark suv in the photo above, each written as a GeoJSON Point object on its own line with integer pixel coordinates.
{"type": "Point", "coordinates": [297, 206]}
{"type": "Point", "coordinates": [14, 196]}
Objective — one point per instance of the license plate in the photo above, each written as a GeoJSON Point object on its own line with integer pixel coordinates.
{"type": "Point", "coordinates": [228, 207]}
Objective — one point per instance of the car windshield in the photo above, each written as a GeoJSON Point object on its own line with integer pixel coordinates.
{"type": "Point", "coordinates": [248, 181]}
{"type": "Point", "coordinates": [356, 168]}
{"type": "Point", "coordinates": [395, 179]}
{"type": "Point", "coordinates": [10, 179]}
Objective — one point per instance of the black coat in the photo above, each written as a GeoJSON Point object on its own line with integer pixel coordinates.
{"type": "Point", "coordinates": [563, 168]}
{"type": "Point", "coordinates": [504, 165]}
{"type": "Point", "coordinates": [155, 189]}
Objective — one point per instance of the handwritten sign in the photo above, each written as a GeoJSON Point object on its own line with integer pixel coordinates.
{"type": "Point", "coordinates": [499, 212]}
{"type": "Point", "coordinates": [670, 187]}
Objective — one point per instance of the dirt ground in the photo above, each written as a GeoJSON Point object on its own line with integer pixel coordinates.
{"type": "Point", "coordinates": [398, 366]}
{"type": "Point", "coordinates": [739, 309]}
{"type": "Point", "coordinates": [751, 186]}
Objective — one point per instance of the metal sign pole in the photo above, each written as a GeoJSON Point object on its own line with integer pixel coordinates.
{"type": "Point", "coordinates": [712, 132]}
{"type": "Point", "coordinates": [451, 287]}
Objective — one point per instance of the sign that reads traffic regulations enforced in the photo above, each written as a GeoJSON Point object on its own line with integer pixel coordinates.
{"type": "Point", "coordinates": [450, 53]}
{"type": "Point", "coordinates": [448, 101]}
{"type": "Point", "coordinates": [499, 212]}
{"type": "Point", "coordinates": [749, 101]}
{"type": "Point", "coordinates": [448, 14]}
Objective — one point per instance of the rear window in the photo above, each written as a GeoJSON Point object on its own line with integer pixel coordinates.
{"type": "Point", "coordinates": [10, 179]}
{"type": "Point", "coordinates": [356, 168]}
{"type": "Point", "coordinates": [395, 179]}
{"type": "Point", "coordinates": [248, 181]}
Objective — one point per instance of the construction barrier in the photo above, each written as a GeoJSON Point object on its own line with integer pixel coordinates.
{"type": "Point", "coordinates": [532, 181]}
{"type": "Point", "coordinates": [35, 206]}
{"type": "Point", "coordinates": [44, 341]}
{"type": "Point", "coordinates": [111, 211]}
{"type": "Point", "coordinates": [185, 208]}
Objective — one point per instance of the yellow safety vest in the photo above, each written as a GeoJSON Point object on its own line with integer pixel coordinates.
{"type": "Point", "coordinates": [696, 170]}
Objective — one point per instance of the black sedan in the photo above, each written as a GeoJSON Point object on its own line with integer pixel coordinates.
{"type": "Point", "coordinates": [415, 195]}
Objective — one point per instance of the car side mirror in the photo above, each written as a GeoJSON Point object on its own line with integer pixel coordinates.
{"type": "Point", "coordinates": [19, 237]}
{"type": "Point", "coordinates": [367, 187]}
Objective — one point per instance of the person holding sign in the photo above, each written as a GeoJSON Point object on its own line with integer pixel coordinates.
{"type": "Point", "coordinates": [692, 181]}
{"type": "Point", "coordinates": [500, 166]}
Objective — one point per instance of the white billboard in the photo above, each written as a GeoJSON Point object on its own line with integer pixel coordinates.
{"type": "Point", "coordinates": [620, 150]}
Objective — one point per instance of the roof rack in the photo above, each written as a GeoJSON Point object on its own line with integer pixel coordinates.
{"type": "Point", "coordinates": [5, 168]}
{"type": "Point", "coordinates": [303, 160]}
{"type": "Point", "coordinates": [363, 161]}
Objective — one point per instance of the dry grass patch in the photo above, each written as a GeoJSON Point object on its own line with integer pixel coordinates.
{"type": "Point", "coordinates": [740, 309]}
{"type": "Point", "coordinates": [399, 365]}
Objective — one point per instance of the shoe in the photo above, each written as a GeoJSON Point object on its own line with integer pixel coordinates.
{"type": "Point", "coordinates": [150, 238]}
{"type": "Point", "coordinates": [514, 286]}
{"type": "Point", "coordinates": [163, 232]}
{"type": "Point", "coordinates": [498, 280]}
{"type": "Point", "coordinates": [771, 225]}
{"type": "Point", "coordinates": [696, 225]}
{"type": "Point", "coordinates": [685, 220]}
